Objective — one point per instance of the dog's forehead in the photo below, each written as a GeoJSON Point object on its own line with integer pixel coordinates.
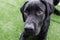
{"type": "Point", "coordinates": [35, 3]}
{"type": "Point", "coordinates": [32, 0]}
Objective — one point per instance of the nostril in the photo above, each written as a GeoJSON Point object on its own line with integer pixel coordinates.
{"type": "Point", "coordinates": [28, 30]}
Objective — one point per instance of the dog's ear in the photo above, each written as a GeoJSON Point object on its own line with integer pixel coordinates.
{"type": "Point", "coordinates": [22, 11]}
{"type": "Point", "coordinates": [49, 7]}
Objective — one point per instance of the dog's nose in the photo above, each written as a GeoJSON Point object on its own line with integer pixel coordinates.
{"type": "Point", "coordinates": [29, 28]}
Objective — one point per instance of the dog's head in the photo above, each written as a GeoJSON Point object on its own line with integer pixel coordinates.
{"type": "Point", "coordinates": [34, 14]}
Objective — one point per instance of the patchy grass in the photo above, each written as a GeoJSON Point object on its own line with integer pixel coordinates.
{"type": "Point", "coordinates": [11, 22]}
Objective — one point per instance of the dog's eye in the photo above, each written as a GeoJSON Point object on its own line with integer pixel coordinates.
{"type": "Point", "coordinates": [39, 13]}
{"type": "Point", "coordinates": [26, 12]}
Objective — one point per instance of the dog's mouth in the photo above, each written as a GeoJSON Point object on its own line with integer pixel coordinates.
{"type": "Point", "coordinates": [37, 31]}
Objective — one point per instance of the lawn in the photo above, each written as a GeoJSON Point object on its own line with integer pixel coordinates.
{"type": "Point", "coordinates": [11, 22]}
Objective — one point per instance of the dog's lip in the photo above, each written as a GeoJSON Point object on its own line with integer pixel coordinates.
{"type": "Point", "coordinates": [37, 31]}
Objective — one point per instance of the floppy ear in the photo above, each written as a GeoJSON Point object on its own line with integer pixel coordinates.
{"type": "Point", "coordinates": [49, 8]}
{"type": "Point", "coordinates": [22, 11]}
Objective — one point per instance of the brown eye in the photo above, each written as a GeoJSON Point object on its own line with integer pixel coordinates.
{"type": "Point", "coordinates": [26, 12]}
{"type": "Point", "coordinates": [39, 13]}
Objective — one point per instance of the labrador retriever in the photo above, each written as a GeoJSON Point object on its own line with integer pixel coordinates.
{"type": "Point", "coordinates": [36, 15]}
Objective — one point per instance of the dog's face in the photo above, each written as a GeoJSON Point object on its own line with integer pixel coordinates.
{"type": "Point", "coordinates": [33, 14]}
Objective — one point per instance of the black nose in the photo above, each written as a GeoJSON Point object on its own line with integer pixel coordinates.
{"type": "Point", "coordinates": [29, 28]}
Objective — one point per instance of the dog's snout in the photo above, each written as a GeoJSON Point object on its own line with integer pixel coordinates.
{"type": "Point", "coordinates": [29, 28]}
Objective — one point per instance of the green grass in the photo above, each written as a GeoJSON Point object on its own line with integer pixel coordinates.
{"type": "Point", "coordinates": [11, 22]}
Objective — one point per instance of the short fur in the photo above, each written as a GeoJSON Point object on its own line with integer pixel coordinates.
{"type": "Point", "coordinates": [37, 18]}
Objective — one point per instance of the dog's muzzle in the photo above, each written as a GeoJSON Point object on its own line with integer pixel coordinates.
{"type": "Point", "coordinates": [29, 28]}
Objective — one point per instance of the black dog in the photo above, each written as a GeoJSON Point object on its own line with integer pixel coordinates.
{"type": "Point", "coordinates": [36, 15]}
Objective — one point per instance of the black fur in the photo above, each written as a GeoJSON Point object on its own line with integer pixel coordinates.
{"type": "Point", "coordinates": [34, 19]}
{"type": "Point", "coordinates": [57, 12]}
